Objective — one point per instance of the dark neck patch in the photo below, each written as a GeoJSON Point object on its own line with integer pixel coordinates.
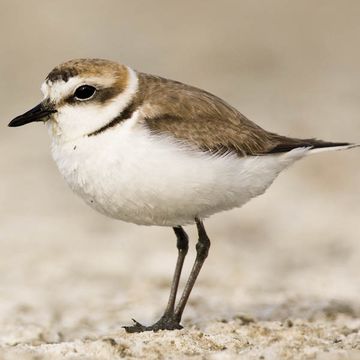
{"type": "Point", "coordinates": [124, 115]}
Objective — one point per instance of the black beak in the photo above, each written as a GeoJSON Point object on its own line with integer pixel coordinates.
{"type": "Point", "coordinates": [38, 113]}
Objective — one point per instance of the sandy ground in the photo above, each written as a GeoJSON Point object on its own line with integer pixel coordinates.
{"type": "Point", "coordinates": [282, 278]}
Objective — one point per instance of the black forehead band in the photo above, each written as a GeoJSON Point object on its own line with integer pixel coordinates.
{"type": "Point", "coordinates": [62, 74]}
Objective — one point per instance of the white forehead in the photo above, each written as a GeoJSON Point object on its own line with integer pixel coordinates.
{"type": "Point", "coordinates": [60, 89]}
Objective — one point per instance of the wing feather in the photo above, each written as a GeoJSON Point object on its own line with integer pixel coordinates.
{"type": "Point", "coordinates": [207, 122]}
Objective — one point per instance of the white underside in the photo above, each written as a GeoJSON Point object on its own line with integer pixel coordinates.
{"type": "Point", "coordinates": [129, 174]}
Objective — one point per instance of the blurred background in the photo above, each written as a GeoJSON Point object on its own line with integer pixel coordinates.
{"type": "Point", "coordinates": [290, 66]}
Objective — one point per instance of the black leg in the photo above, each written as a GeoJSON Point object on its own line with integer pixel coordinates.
{"type": "Point", "coordinates": [168, 321]}
{"type": "Point", "coordinates": [202, 250]}
{"type": "Point", "coordinates": [183, 245]}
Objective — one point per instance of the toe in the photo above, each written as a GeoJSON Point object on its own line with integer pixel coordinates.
{"type": "Point", "coordinates": [136, 328]}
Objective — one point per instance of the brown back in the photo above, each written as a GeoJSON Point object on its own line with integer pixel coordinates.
{"type": "Point", "coordinates": [207, 122]}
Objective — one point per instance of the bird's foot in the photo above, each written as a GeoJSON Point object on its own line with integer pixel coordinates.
{"type": "Point", "coordinates": [165, 323]}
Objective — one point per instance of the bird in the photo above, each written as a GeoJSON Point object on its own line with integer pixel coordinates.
{"type": "Point", "coordinates": [152, 151]}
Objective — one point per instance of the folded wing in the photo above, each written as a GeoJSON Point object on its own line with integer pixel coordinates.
{"type": "Point", "coordinates": [205, 121]}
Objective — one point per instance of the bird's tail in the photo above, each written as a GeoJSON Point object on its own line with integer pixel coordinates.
{"type": "Point", "coordinates": [315, 150]}
{"type": "Point", "coordinates": [286, 144]}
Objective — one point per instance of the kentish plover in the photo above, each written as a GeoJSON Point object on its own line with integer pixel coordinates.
{"type": "Point", "coordinates": [153, 151]}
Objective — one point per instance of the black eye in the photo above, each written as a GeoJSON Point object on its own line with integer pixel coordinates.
{"type": "Point", "coordinates": [84, 92]}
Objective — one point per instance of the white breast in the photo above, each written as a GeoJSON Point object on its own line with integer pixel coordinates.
{"type": "Point", "coordinates": [129, 174]}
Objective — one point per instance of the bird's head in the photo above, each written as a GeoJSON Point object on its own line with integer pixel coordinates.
{"type": "Point", "coordinates": [81, 96]}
